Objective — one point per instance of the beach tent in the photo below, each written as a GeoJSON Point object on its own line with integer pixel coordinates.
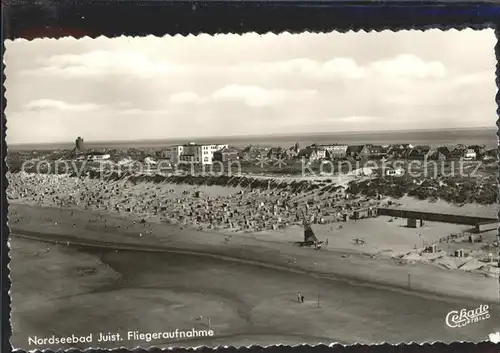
{"type": "Point", "coordinates": [309, 236]}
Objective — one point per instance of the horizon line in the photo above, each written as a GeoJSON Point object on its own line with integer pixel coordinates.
{"type": "Point", "coordinates": [192, 138]}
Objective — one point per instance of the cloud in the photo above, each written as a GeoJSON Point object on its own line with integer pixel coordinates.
{"type": "Point", "coordinates": [406, 65]}
{"type": "Point", "coordinates": [340, 68]}
{"type": "Point", "coordinates": [185, 97]}
{"type": "Point", "coordinates": [49, 104]}
{"type": "Point", "coordinates": [143, 112]}
{"type": "Point", "coordinates": [252, 95]}
{"type": "Point", "coordinates": [256, 96]}
{"type": "Point", "coordinates": [343, 67]}
{"type": "Point", "coordinates": [128, 63]}
{"type": "Point", "coordinates": [103, 63]}
{"type": "Point", "coordinates": [335, 68]}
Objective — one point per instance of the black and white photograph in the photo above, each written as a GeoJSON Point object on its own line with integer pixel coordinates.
{"type": "Point", "coordinates": [308, 188]}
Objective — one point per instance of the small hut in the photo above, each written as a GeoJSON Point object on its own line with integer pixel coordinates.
{"type": "Point", "coordinates": [459, 253]}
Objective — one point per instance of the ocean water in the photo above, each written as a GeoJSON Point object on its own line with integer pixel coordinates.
{"type": "Point", "coordinates": [434, 138]}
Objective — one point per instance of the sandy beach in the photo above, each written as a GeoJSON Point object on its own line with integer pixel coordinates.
{"type": "Point", "coordinates": [170, 282]}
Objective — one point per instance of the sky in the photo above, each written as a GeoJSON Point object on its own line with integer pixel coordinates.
{"type": "Point", "coordinates": [132, 88]}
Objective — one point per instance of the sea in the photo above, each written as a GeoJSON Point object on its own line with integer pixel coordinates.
{"type": "Point", "coordinates": [433, 138]}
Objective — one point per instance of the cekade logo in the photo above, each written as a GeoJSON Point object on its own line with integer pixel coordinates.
{"type": "Point", "coordinates": [464, 317]}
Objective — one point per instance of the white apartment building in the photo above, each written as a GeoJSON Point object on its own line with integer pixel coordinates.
{"type": "Point", "coordinates": [196, 153]}
{"type": "Point", "coordinates": [207, 152]}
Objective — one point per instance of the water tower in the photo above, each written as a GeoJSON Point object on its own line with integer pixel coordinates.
{"type": "Point", "coordinates": [79, 144]}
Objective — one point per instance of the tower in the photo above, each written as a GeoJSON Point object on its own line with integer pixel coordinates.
{"type": "Point", "coordinates": [79, 144]}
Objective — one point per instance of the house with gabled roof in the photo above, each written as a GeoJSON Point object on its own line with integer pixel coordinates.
{"type": "Point", "coordinates": [275, 153]}
{"type": "Point", "coordinates": [399, 150]}
{"type": "Point", "coordinates": [226, 154]}
{"type": "Point", "coordinates": [441, 153]}
{"type": "Point", "coordinates": [252, 152]}
{"type": "Point", "coordinates": [419, 152]}
{"type": "Point", "coordinates": [358, 151]}
{"type": "Point", "coordinates": [307, 153]}
{"type": "Point", "coordinates": [377, 150]}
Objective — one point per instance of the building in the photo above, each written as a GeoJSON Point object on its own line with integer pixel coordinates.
{"type": "Point", "coordinates": [440, 154]}
{"type": "Point", "coordinates": [319, 152]}
{"type": "Point", "coordinates": [401, 153]}
{"type": "Point", "coordinates": [173, 153]}
{"type": "Point", "coordinates": [431, 249]}
{"type": "Point", "coordinates": [490, 154]}
{"type": "Point", "coordinates": [307, 153]}
{"type": "Point", "coordinates": [296, 148]}
{"type": "Point", "coordinates": [470, 154]}
{"type": "Point", "coordinates": [459, 152]}
{"type": "Point", "coordinates": [252, 152]}
{"type": "Point", "coordinates": [358, 152]}
{"type": "Point", "coordinates": [199, 154]}
{"type": "Point", "coordinates": [479, 149]}
{"type": "Point", "coordinates": [97, 156]}
{"type": "Point", "coordinates": [400, 146]}
{"type": "Point", "coordinates": [79, 146]}
{"type": "Point", "coordinates": [226, 155]}
{"type": "Point", "coordinates": [191, 153]}
{"type": "Point", "coordinates": [459, 253]}
{"type": "Point", "coordinates": [207, 152]}
{"type": "Point", "coordinates": [275, 153]}
{"type": "Point", "coordinates": [467, 153]}
{"type": "Point", "coordinates": [414, 223]}
{"type": "Point", "coordinates": [313, 153]}
{"type": "Point", "coordinates": [329, 154]}
{"type": "Point", "coordinates": [399, 150]}
{"type": "Point", "coordinates": [419, 152]}
{"type": "Point", "coordinates": [290, 153]}
{"type": "Point", "coordinates": [376, 151]}
{"type": "Point", "coordinates": [335, 151]}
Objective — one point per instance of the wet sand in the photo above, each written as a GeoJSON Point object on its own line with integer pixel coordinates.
{"type": "Point", "coordinates": [172, 291]}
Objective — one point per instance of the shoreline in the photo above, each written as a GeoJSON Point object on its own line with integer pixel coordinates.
{"type": "Point", "coordinates": [354, 280]}
{"type": "Point", "coordinates": [342, 265]}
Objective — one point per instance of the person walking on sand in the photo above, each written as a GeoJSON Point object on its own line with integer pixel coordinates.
{"type": "Point", "coordinates": [302, 299]}
{"type": "Point", "coordinates": [299, 297]}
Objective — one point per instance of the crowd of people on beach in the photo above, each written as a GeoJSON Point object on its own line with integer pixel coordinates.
{"type": "Point", "coordinates": [247, 209]}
